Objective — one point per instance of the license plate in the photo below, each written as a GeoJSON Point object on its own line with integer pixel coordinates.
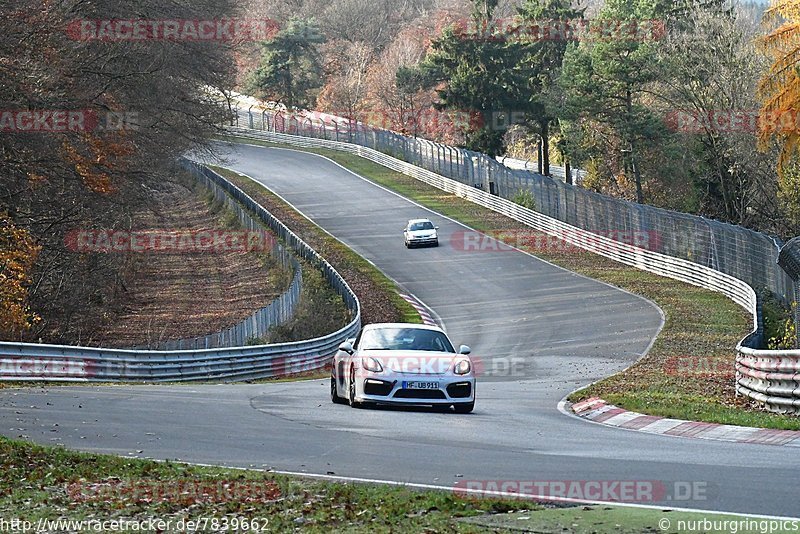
{"type": "Point", "coordinates": [420, 385]}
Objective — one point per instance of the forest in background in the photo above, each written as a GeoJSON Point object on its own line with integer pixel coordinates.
{"type": "Point", "coordinates": [454, 71]}
{"type": "Point", "coordinates": [618, 108]}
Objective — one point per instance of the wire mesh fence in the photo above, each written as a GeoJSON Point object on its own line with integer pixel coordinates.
{"type": "Point", "coordinates": [740, 252]}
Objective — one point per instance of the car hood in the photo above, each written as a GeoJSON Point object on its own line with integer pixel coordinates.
{"type": "Point", "coordinates": [413, 361]}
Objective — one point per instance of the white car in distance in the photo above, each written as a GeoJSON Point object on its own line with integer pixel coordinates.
{"type": "Point", "coordinates": [420, 232]}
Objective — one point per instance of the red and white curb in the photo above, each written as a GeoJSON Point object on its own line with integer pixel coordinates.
{"type": "Point", "coordinates": [598, 411]}
{"type": "Point", "coordinates": [427, 318]}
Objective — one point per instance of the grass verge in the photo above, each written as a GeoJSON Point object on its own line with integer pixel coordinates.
{"type": "Point", "coordinates": [51, 484]}
{"type": "Point", "coordinates": [378, 294]}
{"type": "Point", "coordinates": [607, 519]}
{"type": "Point", "coordinates": [688, 373]}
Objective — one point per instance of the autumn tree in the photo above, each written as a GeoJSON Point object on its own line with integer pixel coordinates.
{"type": "Point", "coordinates": [780, 87]}
{"type": "Point", "coordinates": [346, 85]}
{"type": "Point", "coordinates": [717, 171]}
{"type": "Point", "coordinates": [54, 182]}
{"type": "Point", "coordinates": [395, 87]}
{"type": "Point", "coordinates": [780, 91]}
{"type": "Point", "coordinates": [18, 253]}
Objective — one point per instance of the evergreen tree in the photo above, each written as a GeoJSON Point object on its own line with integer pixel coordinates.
{"type": "Point", "coordinates": [606, 78]}
{"type": "Point", "coordinates": [290, 68]}
{"type": "Point", "coordinates": [478, 72]}
{"type": "Point", "coordinates": [542, 60]}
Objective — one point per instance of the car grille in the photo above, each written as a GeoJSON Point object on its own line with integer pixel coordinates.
{"type": "Point", "coordinates": [432, 394]}
{"type": "Point", "coordinates": [377, 387]}
{"type": "Point", "coordinates": [459, 390]}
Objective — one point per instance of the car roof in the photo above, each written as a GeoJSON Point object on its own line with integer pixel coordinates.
{"type": "Point", "coordinates": [374, 326]}
{"type": "Point", "coordinates": [410, 221]}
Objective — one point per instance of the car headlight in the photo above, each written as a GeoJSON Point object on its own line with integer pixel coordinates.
{"type": "Point", "coordinates": [371, 364]}
{"type": "Point", "coordinates": [462, 367]}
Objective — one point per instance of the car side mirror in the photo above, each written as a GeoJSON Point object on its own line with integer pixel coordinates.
{"type": "Point", "coordinates": [464, 349]}
{"type": "Point", "coordinates": [435, 227]}
{"type": "Point", "coordinates": [346, 347]}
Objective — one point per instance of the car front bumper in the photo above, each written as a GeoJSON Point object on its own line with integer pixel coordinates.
{"type": "Point", "coordinates": [384, 389]}
{"type": "Point", "coordinates": [421, 242]}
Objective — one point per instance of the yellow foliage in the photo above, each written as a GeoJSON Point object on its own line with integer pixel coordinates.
{"type": "Point", "coordinates": [780, 86]}
{"type": "Point", "coordinates": [96, 155]}
{"type": "Point", "coordinates": [18, 253]}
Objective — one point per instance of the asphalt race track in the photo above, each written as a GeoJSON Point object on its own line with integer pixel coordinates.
{"type": "Point", "coordinates": [539, 330]}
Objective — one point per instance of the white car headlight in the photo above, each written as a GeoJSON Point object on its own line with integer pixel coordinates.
{"type": "Point", "coordinates": [371, 364]}
{"type": "Point", "coordinates": [462, 367]}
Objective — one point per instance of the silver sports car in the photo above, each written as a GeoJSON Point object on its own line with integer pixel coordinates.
{"type": "Point", "coordinates": [397, 363]}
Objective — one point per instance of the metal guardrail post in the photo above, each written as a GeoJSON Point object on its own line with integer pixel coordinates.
{"type": "Point", "coordinates": [789, 261]}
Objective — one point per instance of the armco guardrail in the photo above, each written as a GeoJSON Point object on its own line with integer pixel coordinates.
{"type": "Point", "coordinates": [774, 389]}
{"type": "Point", "coordinates": [676, 268]}
{"type": "Point", "coordinates": [770, 377]}
{"type": "Point", "coordinates": [33, 362]}
{"type": "Point", "coordinates": [740, 252]}
{"type": "Point", "coordinates": [278, 312]}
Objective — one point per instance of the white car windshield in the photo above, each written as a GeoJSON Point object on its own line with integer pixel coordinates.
{"type": "Point", "coordinates": [427, 225]}
{"type": "Point", "coordinates": [405, 339]}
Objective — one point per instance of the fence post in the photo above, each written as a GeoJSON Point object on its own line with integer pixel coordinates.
{"type": "Point", "coordinates": [789, 261]}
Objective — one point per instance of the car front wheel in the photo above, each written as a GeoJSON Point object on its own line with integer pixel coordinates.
{"type": "Point", "coordinates": [336, 399]}
{"type": "Point", "coordinates": [351, 390]}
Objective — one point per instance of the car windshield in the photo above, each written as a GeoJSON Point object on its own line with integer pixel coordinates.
{"type": "Point", "coordinates": [405, 339]}
{"type": "Point", "coordinates": [426, 225]}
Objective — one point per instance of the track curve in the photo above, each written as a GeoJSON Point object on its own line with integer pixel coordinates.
{"type": "Point", "coordinates": [566, 330]}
